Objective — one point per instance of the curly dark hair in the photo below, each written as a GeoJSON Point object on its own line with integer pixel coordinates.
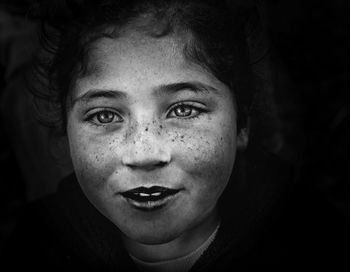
{"type": "Point", "coordinates": [225, 37]}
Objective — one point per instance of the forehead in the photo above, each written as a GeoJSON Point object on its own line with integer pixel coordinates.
{"type": "Point", "coordinates": [134, 60]}
{"type": "Point", "coordinates": [135, 51]}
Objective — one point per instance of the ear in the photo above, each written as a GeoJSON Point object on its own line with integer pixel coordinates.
{"type": "Point", "coordinates": [242, 138]}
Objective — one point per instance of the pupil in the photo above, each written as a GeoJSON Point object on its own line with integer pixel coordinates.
{"type": "Point", "coordinates": [183, 111]}
{"type": "Point", "coordinates": [105, 117]}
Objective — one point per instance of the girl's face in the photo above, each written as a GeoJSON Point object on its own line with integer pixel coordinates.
{"type": "Point", "coordinates": [152, 137]}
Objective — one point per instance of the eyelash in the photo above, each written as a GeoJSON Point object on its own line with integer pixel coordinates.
{"type": "Point", "coordinates": [188, 106]}
{"type": "Point", "coordinates": [93, 118]}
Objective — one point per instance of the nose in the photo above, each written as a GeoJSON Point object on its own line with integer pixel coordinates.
{"type": "Point", "coordinates": [145, 150]}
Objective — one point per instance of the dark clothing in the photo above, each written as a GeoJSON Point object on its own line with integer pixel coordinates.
{"type": "Point", "coordinates": [265, 219]}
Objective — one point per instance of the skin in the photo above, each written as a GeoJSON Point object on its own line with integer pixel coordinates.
{"type": "Point", "coordinates": [149, 139]}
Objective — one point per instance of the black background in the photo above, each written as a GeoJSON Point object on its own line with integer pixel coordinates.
{"type": "Point", "coordinates": [310, 46]}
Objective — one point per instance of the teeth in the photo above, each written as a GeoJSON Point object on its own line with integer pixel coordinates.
{"type": "Point", "coordinates": [143, 194]}
{"type": "Point", "coordinates": [156, 194]}
{"type": "Point", "coordinates": [147, 195]}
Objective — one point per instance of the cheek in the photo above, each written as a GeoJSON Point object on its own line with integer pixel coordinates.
{"type": "Point", "coordinates": [92, 159]}
{"type": "Point", "coordinates": [208, 157]}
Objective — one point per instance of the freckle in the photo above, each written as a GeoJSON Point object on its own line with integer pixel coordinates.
{"type": "Point", "coordinates": [160, 126]}
{"type": "Point", "coordinates": [146, 129]}
{"type": "Point", "coordinates": [182, 136]}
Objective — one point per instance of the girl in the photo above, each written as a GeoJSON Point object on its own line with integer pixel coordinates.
{"type": "Point", "coordinates": [155, 98]}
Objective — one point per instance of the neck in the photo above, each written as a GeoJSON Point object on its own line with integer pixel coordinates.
{"type": "Point", "coordinates": [181, 246]}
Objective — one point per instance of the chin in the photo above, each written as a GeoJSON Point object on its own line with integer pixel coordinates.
{"type": "Point", "coordinates": [153, 236]}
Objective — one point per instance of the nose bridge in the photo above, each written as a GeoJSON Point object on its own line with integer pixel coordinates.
{"type": "Point", "coordinates": [143, 128]}
{"type": "Point", "coordinates": [143, 136]}
{"type": "Point", "coordinates": [143, 145]}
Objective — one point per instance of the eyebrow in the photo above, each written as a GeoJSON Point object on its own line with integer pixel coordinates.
{"type": "Point", "coordinates": [162, 90]}
{"type": "Point", "coordinates": [98, 93]}
{"type": "Point", "coordinates": [193, 86]}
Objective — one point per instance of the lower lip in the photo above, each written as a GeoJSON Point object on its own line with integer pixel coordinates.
{"type": "Point", "coordinates": [152, 205]}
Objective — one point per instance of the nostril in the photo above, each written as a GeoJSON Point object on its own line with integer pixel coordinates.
{"type": "Point", "coordinates": [144, 159]}
{"type": "Point", "coordinates": [161, 164]}
{"type": "Point", "coordinates": [146, 165]}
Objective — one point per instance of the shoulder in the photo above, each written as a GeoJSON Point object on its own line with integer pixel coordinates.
{"type": "Point", "coordinates": [34, 240]}
{"type": "Point", "coordinates": [269, 217]}
{"type": "Point", "coordinates": [38, 239]}
{"type": "Point", "coordinates": [64, 231]}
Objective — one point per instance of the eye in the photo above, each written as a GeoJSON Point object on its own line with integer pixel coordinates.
{"type": "Point", "coordinates": [185, 111]}
{"type": "Point", "coordinates": [105, 117]}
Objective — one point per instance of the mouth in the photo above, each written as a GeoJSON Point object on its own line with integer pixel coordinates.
{"type": "Point", "coordinates": [148, 199]}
